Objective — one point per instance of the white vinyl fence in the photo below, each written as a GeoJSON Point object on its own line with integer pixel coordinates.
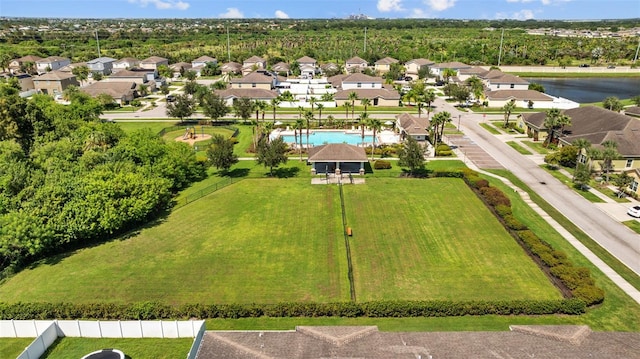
{"type": "Point", "coordinates": [47, 331]}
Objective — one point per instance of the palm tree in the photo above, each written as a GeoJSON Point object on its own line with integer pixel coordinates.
{"type": "Point", "coordinates": [429, 97]}
{"type": "Point", "coordinates": [365, 102]}
{"type": "Point", "coordinates": [448, 73]}
{"type": "Point", "coordinates": [320, 107]}
{"type": "Point", "coordinates": [555, 120]}
{"type": "Point", "coordinates": [508, 108]}
{"type": "Point", "coordinates": [274, 106]}
{"type": "Point", "coordinates": [312, 101]}
{"type": "Point", "coordinates": [346, 106]}
{"type": "Point", "coordinates": [353, 96]}
{"type": "Point", "coordinates": [609, 153]}
{"type": "Point", "coordinates": [440, 120]}
{"type": "Point", "coordinates": [362, 121]}
{"type": "Point", "coordinates": [261, 107]}
{"type": "Point", "coordinates": [374, 124]}
{"type": "Point", "coordinates": [308, 116]}
{"type": "Point", "coordinates": [299, 126]}
{"type": "Point", "coordinates": [476, 85]}
{"type": "Point", "coordinates": [582, 145]}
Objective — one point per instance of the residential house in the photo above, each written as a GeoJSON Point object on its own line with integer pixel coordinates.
{"type": "Point", "coordinates": [20, 64]}
{"type": "Point", "coordinates": [202, 61]}
{"type": "Point", "coordinates": [281, 68]}
{"type": "Point", "coordinates": [338, 158]}
{"type": "Point", "coordinates": [416, 127]}
{"type": "Point", "coordinates": [51, 63]}
{"type": "Point", "coordinates": [121, 92]}
{"type": "Point", "coordinates": [125, 63]}
{"type": "Point", "coordinates": [179, 68]}
{"type": "Point", "coordinates": [355, 64]}
{"type": "Point", "coordinates": [231, 68]}
{"type": "Point", "coordinates": [330, 68]}
{"type": "Point", "coordinates": [413, 67]}
{"type": "Point", "coordinates": [25, 81]}
{"type": "Point", "coordinates": [497, 80]}
{"type": "Point", "coordinates": [527, 99]}
{"type": "Point", "coordinates": [54, 82]}
{"type": "Point", "coordinates": [634, 186]}
{"type": "Point", "coordinates": [257, 79]}
{"type": "Point", "coordinates": [632, 111]}
{"type": "Point", "coordinates": [153, 62]}
{"type": "Point", "coordinates": [307, 66]}
{"type": "Point", "coordinates": [383, 65]}
{"type": "Point", "coordinates": [595, 125]}
{"type": "Point", "coordinates": [365, 87]}
{"type": "Point", "coordinates": [438, 69]}
{"type": "Point", "coordinates": [256, 94]}
{"type": "Point", "coordinates": [101, 65]}
{"type": "Point", "coordinates": [69, 68]}
{"type": "Point", "coordinates": [252, 64]}
{"type": "Point", "coordinates": [139, 76]}
{"type": "Point", "coordinates": [467, 73]}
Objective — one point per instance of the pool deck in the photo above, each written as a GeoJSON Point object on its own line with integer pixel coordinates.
{"type": "Point", "coordinates": [384, 137]}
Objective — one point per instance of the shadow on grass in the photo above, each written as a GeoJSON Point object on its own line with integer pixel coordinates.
{"type": "Point", "coordinates": [285, 172]}
{"type": "Point", "coordinates": [235, 173]}
{"type": "Point", "coordinates": [417, 173]}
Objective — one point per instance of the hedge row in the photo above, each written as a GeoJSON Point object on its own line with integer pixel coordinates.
{"type": "Point", "coordinates": [381, 165]}
{"type": "Point", "coordinates": [381, 309]}
{"type": "Point", "coordinates": [577, 279]}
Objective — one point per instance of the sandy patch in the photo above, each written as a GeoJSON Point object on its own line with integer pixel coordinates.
{"type": "Point", "coordinates": [191, 141]}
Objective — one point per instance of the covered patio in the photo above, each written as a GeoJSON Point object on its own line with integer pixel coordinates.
{"type": "Point", "coordinates": [337, 158]}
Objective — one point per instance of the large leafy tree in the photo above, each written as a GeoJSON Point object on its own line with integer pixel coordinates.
{"type": "Point", "coordinates": [213, 106]}
{"type": "Point", "coordinates": [182, 107]}
{"type": "Point", "coordinates": [165, 71]}
{"type": "Point", "coordinates": [582, 146]}
{"type": "Point", "coordinates": [271, 153]}
{"type": "Point", "coordinates": [477, 86]}
{"type": "Point", "coordinates": [243, 107]}
{"type": "Point", "coordinates": [411, 155]}
{"type": "Point", "coordinates": [220, 153]}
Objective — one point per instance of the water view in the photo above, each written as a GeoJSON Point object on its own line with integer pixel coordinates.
{"type": "Point", "coordinates": [590, 89]}
{"type": "Point", "coordinates": [318, 138]}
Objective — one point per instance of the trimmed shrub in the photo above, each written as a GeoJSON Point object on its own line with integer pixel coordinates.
{"type": "Point", "coordinates": [502, 210]}
{"type": "Point", "coordinates": [494, 196]}
{"type": "Point", "coordinates": [381, 165]}
{"type": "Point", "coordinates": [444, 153]}
{"type": "Point", "coordinates": [590, 294]}
{"type": "Point", "coordinates": [444, 173]}
{"type": "Point", "coordinates": [512, 223]}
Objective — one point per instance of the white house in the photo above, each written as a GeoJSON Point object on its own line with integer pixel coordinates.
{"type": "Point", "coordinates": [51, 63]}
{"type": "Point", "coordinates": [125, 63]}
{"type": "Point", "coordinates": [102, 65]}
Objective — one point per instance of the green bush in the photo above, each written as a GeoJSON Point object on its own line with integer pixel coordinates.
{"type": "Point", "coordinates": [444, 153]}
{"type": "Point", "coordinates": [590, 294]}
{"type": "Point", "coordinates": [502, 210]}
{"type": "Point", "coordinates": [512, 223]}
{"type": "Point", "coordinates": [381, 165]}
{"type": "Point", "coordinates": [494, 196]}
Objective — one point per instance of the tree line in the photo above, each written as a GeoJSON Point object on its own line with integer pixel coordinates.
{"type": "Point", "coordinates": [68, 179]}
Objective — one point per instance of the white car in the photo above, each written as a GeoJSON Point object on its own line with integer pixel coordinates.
{"type": "Point", "coordinates": [634, 211]}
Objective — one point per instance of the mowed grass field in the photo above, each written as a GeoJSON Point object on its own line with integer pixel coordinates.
{"type": "Point", "coordinates": [271, 240]}
{"type": "Point", "coordinates": [434, 239]}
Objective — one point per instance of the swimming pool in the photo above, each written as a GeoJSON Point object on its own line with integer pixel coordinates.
{"type": "Point", "coordinates": [323, 137]}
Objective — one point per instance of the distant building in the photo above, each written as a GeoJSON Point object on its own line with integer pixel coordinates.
{"type": "Point", "coordinates": [101, 65]}
{"type": "Point", "coordinates": [355, 64]}
{"type": "Point", "coordinates": [51, 63]}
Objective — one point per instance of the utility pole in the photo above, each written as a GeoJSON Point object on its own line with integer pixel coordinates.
{"type": "Point", "coordinates": [365, 40]}
{"type": "Point", "coordinates": [500, 53]}
{"type": "Point", "coordinates": [98, 41]}
{"type": "Point", "coordinates": [228, 50]}
{"type": "Point", "coordinates": [638, 49]}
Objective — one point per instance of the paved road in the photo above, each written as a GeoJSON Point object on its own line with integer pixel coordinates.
{"type": "Point", "coordinates": [616, 238]}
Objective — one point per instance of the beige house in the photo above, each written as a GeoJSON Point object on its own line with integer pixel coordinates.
{"type": "Point", "coordinates": [634, 187]}
{"type": "Point", "coordinates": [54, 82]}
{"type": "Point", "coordinates": [231, 68]}
{"type": "Point", "coordinates": [257, 79]}
{"type": "Point", "coordinates": [438, 69]}
{"type": "Point", "coordinates": [416, 127]}
{"type": "Point", "coordinates": [256, 94]}
{"type": "Point", "coordinates": [383, 65]}
{"type": "Point", "coordinates": [121, 92]}
{"type": "Point", "coordinates": [365, 87]}
{"type": "Point", "coordinates": [153, 62]}
{"type": "Point", "coordinates": [413, 67]}
{"type": "Point", "coordinates": [17, 65]}
{"type": "Point", "coordinates": [595, 125]}
{"type": "Point", "coordinates": [355, 64]}
{"type": "Point", "coordinates": [179, 67]}
{"type": "Point", "coordinates": [252, 64]}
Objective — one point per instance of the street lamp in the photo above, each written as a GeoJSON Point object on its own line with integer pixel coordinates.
{"type": "Point", "coordinates": [459, 122]}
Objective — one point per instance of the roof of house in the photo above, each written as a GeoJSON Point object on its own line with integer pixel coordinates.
{"type": "Point", "coordinates": [50, 59]}
{"type": "Point", "coordinates": [413, 125]}
{"type": "Point", "coordinates": [101, 60]}
{"type": "Point", "coordinates": [518, 95]}
{"type": "Point", "coordinates": [28, 58]}
{"type": "Point", "coordinates": [383, 93]}
{"type": "Point", "coordinates": [338, 80]}
{"type": "Point", "coordinates": [154, 60]}
{"type": "Point", "coordinates": [356, 61]}
{"type": "Point", "coordinates": [386, 61]}
{"type": "Point", "coordinates": [329, 66]}
{"type": "Point", "coordinates": [334, 152]}
{"type": "Point", "coordinates": [204, 59]}
{"type": "Point", "coordinates": [281, 66]}
{"type": "Point", "coordinates": [231, 66]}
{"type": "Point", "coordinates": [256, 77]}
{"type": "Point", "coordinates": [254, 59]}
{"type": "Point", "coordinates": [420, 62]}
{"type": "Point", "coordinates": [596, 125]}
{"type": "Point", "coordinates": [306, 60]}
{"type": "Point", "coordinates": [252, 93]}
{"type": "Point", "coordinates": [129, 74]}
{"type": "Point", "coordinates": [476, 70]}
{"type": "Point", "coordinates": [502, 78]}
{"type": "Point", "coordinates": [633, 110]}
{"type": "Point", "coordinates": [451, 65]}
{"type": "Point", "coordinates": [127, 59]}
{"type": "Point", "coordinates": [113, 89]}
{"type": "Point", "coordinates": [55, 76]}
{"type": "Point", "coordinates": [70, 67]}
{"type": "Point", "coordinates": [178, 65]}
{"type": "Point", "coordinates": [548, 341]}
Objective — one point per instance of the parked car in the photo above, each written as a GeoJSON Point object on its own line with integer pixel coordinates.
{"type": "Point", "coordinates": [611, 67]}
{"type": "Point", "coordinates": [584, 65]}
{"type": "Point", "coordinates": [634, 211]}
{"type": "Point", "coordinates": [171, 98]}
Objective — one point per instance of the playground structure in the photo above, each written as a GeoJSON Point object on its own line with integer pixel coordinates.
{"type": "Point", "coordinates": [190, 134]}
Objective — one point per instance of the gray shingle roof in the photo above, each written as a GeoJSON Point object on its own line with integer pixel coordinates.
{"type": "Point", "coordinates": [368, 93]}
{"type": "Point", "coordinates": [337, 152]}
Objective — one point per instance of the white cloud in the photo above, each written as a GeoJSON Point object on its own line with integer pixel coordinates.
{"type": "Point", "coordinates": [281, 14]}
{"type": "Point", "coordinates": [440, 5]}
{"type": "Point", "coordinates": [163, 4]}
{"type": "Point", "coordinates": [389, 5]}
{"type": "Point", "coordinates": [519, 15]}
{"type": "Point", "coordinates": [232, 13]}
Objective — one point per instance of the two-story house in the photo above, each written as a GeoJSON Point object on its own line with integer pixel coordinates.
{"type": "Point", "coordinates": [24, 64]}
{"type": "Point", "coordinates": [257, 79]}
{"type": "Point", "coordinates": [125, 63]}
{"type": "Point", "coordinates": [51, 63]}
{"type": "Point", "coordinates": [153, 62]}
{"type": "Point", "coordinates": [383, 65]}
{"type": "Point", "coordinates": [308, 67]}
{"type": "Point", "coordinates": [364, 86]}
{"type": "Point", "coordinates": [54, 82]}
{"type": "Point", "coordinates": [413, 67]}
{"type": "Point", "coordinates": [101, 65]}
{"type": "Point", "coordinates": [355, 64]}
{"type": "Point", "coordinates": [252, 64]}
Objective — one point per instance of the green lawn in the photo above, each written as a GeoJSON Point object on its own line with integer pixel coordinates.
{"type": "Point", "coordinates": [537, 146]}
{"type": "Point", "coordinates": [156, 127]}
{"type": "Point", "coordinates": [567, 181]}
{"type": "Point", "coordinates": [12, 347]}
{"type": "Point", "coordinates": [633, 224]}
{"type": "Point", "coordinates": [133, 348]}
{"type": "Point", "coordinates": [492, 130]}
{"type": "Point", "coordinates": [414, 244]}
{"type": "Point", "coordinates": [518, 148]}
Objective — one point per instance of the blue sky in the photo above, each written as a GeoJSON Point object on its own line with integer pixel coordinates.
{"type": "Point", "coordinates": [452, 9]}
